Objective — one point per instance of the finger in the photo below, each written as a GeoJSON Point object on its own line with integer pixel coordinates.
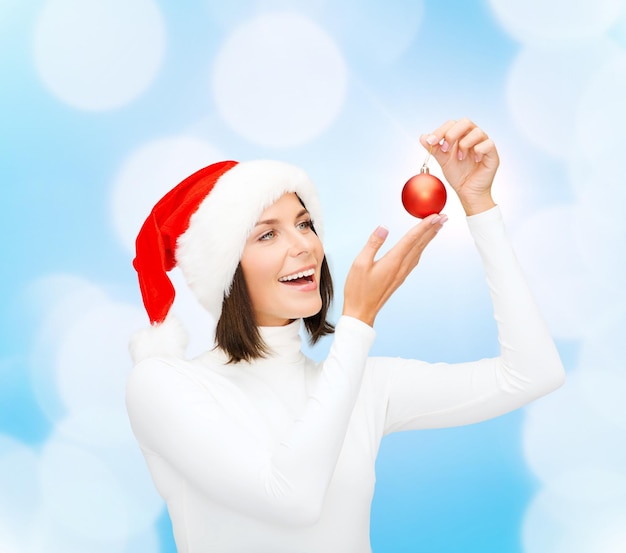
{"type": "Point", "coordinates": [435, 138]}
{"type": "Point", "coordinates": [427, 228]}
{"type": "Point", "coordinates": [407, 251]}
{"type": "Point", "coordinates": [474, 137]}
{"type": "Point", "coordinates": [454, 133]}
{"type": "Point", "coordinates": [454, 137]}
{"type": "Point", "coordinates": [487, 153]}
{"type": "Point", "coordinates": [373, 244]}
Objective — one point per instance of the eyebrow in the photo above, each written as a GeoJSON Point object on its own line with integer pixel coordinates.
{"type": "Point", "coordinates": [275, 221]}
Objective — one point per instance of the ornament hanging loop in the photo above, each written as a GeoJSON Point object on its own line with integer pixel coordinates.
{"type": "Point", "coordinates": [424, 168]}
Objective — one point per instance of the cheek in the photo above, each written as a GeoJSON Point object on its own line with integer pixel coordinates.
{"type": "Point", "coordinates": [317, 246]}
{"type": "Point", "coordinates": [258, 268]}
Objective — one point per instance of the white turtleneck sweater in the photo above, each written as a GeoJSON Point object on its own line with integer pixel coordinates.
{"type": "Point", "coordinates": [278, 455]}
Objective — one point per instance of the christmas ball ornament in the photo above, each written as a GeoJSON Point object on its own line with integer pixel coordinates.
{"type": "Point", "coordinates": [423, 194]}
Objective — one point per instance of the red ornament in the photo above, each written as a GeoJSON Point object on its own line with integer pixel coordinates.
{"type": "Point", "coordinates": [424, 194]}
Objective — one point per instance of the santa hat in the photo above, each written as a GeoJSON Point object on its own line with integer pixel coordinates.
{"type": "Point", "coordinates": [202, 226]}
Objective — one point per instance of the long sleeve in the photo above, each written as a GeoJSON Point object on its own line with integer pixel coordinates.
{"type": "Point", "coordinates": [204, 429]}
{"type": "Point", "coordinates": [423, 395]}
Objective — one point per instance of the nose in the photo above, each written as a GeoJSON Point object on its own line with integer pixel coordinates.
{"type": "Point", "coordinates": [299, 243]}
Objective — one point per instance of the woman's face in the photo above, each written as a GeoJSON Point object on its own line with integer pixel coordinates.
{"type": "Point", "coordinates": [281, 264]}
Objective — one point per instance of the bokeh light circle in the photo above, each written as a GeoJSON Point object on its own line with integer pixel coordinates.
{"type": "Point", "coordinates": [98, 55]}
{"type": "Point", "coordinates": [601, 367]}
{"type": "Point", "coordinates": [562, 432]}
{"type": "Point", "coordinates": [81, 493]}
{"type": "Point", "coordinates": [148, 173]}
{"type": "Point", "coordinates": [545, 87]}
{"type": "Point", "coordinates": [577, 512]}
{"type": "Point", "coordinates": [279, 80]}
{"type": "Point", "coordinates": [554, 269]}
{"type": "Point", "coordinates": [377, 31]}
{"type": "Point", "coordinates": [61, 299]}
{"type": "Point", "coordinates": [544, 21]}
{"type": "Point", "coordinates": [93, 358]}
{"type": "Point", "coordinates": [601, 114]}
{"type": "Point", "coordinates": [19, 485]}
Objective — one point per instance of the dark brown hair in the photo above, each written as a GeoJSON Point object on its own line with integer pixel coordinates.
{"type": "Point", "coordinates": [237, 332]}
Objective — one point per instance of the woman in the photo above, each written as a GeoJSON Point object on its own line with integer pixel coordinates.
{"type": "Point", "coordinates": [255, 447]}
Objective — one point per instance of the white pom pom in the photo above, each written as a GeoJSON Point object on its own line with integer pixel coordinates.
{"type": "Point", "coordinates": [167, 339]}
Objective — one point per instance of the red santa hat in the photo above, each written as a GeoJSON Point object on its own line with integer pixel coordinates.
{"type": "Point", "coordinates": [202, 226]}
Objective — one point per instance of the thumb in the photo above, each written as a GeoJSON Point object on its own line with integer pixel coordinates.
{"type": "Point", "coordinates": [431, 145]}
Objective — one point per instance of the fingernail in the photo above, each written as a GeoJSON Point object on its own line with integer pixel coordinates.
{"type": "Point", "coordinates": [444, 218]}
{"type": "Point", "coordinates": [445, 146]}
{"type": "Point", "coordinates": [431, 139]}
{"type": "Point", "coordinates": [435, 220]}
{"type": "Point", "coordinates": [381, 232]}
{"type": "Point", "coordinates": [460, 155]}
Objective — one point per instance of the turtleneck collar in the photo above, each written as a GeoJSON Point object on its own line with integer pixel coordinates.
{"type": "Point", "coordinates": [284, 342]}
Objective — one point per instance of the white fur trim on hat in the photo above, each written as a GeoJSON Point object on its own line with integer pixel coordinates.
{"type": "Point", "coordinates": [168, 338]}
{"type": "Point", "coordinates": [209, 251]}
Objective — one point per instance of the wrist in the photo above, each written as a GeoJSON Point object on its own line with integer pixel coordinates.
{"type": "Point", "coordinates": [477, 204]}
{"type": "Point", "coordinates": [368, 319]}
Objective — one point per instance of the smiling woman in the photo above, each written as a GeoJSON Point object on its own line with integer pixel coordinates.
{"type": "Point", "coordinates": [254, 446]}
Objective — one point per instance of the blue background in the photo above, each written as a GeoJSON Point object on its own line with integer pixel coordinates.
{"type": "Point", "coordinates": [522, 482]}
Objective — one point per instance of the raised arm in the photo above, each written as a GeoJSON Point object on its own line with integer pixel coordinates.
{"type": "Point", "coordinates": [422, 395]}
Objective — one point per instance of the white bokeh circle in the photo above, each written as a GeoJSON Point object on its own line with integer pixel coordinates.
{"type": "Point", "coordinates": [91, 480]}
{"type": "Point", "coordinates": [599, 188]}
{"type": "Point", "coordinates": [59, 300]}
{"type": "Point", "coordinates": [81, 493]}
{"type": "Point", "coordinates": [80, 358]}
{"type": "Point", "coordinates": [279, 80]}
{"type": "Point", "coordinates": [378, 31]}
{"type": "Point", "coordinates": [47, 536]}
{"type": "Point", "coordinates": [562, 432]}
{"type": "Point", "coordinates": [601, 195]}
{"type": "Point", "coordinates": [19, 485]}
{"type": "Point", "coordinates": [601, 113]}
{"type": "Point", "coordinates": [150, 172]}
{"type": "Point", "coordinates": [8, 541]}
{"type": "Point", "coordinates": [543, 21]}
{"type": "Point", "coordinates": [98, 426]}
{"type": "Point", "coordinates": [104, 495]}
{"type": "Point", "coordinates": [545, 87]}
{"type": "Point", "coordinates": [143, 503]}
{"type": "Point", "coordinates": [93, 361]}
{"type": "Point", "coordinates": [230, 14]}
{"type": "Point", "coordinates": [549, 252]}
{"type": "Point", "coordinates": [98, 55]}
{"type": "Point", "coordinates": [601, 367]}
{"type": "Point", "coordinates": [577, 512]}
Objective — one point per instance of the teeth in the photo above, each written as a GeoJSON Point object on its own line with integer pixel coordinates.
{"type": "Point", "coordinates": [294, 276]}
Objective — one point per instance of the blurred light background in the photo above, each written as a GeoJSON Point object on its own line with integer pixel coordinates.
{"type": "Point", "coordinates": [106, 104]}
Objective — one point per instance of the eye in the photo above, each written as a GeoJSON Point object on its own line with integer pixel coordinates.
{"type": "Point", "coordinates": [305, 225]}
{"type": "Point", "coordinates": [267, 236]}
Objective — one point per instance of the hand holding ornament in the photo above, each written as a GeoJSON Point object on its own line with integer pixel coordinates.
{"type": "Point", "coordinates": [469, 160]}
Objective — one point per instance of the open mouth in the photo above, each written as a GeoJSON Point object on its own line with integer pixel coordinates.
{"type": "Point", "coordinates": [302, 277]}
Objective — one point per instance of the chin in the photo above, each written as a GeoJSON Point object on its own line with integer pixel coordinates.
{"type": "Point", "coordinates": [306, 313]}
